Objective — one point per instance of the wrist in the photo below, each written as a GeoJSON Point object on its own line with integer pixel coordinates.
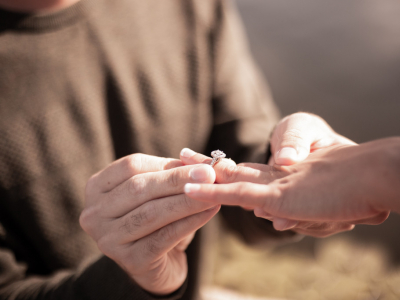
{"type": "Point", "coordinates": [389, 172]}
{"type": "Point", "coordinates": [393, 156]}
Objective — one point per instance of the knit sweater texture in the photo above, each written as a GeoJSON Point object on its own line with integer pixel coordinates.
{"type": "Point", "coordinates": [97, 81]}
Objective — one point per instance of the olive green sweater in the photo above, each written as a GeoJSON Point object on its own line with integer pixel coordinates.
{"type": "Point", "coordinates": [97, 81]}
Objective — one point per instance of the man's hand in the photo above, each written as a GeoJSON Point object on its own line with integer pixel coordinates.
{"type": "Point", "coordinates": [137, 214]}
{"type": "Point", "coordinates": [338, 186]}
{"type": "Point", "coordinates": [298, 135]}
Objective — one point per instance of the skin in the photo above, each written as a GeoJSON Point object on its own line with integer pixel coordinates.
{"type": "Point", "coordinates": [126, 203]}
{"type": "Point", "coordinates": [300, 145]}
{"type": "Point", "coordinates": [294, 138]}
{"type": "Point", "coordinates": [336, 185]}
{"type": "Point", "coordinates": [298, 135]}
{"type": "Point", "coordinates": [137, 214]}
{"type": "Point", "coordinates": [36, 6]}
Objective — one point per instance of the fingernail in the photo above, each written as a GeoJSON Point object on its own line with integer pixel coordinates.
{"type": "Point", "coordinates": [258, 212]}
{"type": "Point", "coordinates": [285, 154]}
{"type": "Point", "coordinates": [201, 173]}
{"type": "Point", "coordinates": [186, 152]}
{"type": "Point", "coordinates": [191, 188]}
{"type": "Point", "coordinates": [284, 224]}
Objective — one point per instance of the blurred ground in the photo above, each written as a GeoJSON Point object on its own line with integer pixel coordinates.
{"type": "Point", "coordinates": [339, 59]}
{"type": "Point", "coordinates": [341, 269]}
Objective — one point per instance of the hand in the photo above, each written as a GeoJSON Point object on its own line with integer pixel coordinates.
{"type": "Point", "coordinates": [321, 196]}
{"type": "Point", "coordinates": [137, 214]}
{"type": "Point", "coordinates": [294, 138]}
{"type": "Point", "coordinates": [298, 135]}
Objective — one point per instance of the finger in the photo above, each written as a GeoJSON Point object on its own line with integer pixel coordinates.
{"type": "Point", "coordinates": [376, 220]}
{"type": "Point", "coordinates": [244, 194]}
{"type": "Point", "coordinates": [315, 229]}
{"type": "Point", "coordinates": [153, 246]}
{"type": "Point", "coordinates": [152, 216]}
{"type": "Point", "coordinates": [293, 137]}
{"type": "Point", "coordinates": [190, 157]}
{"type": "Point", "coordinates": [228, 172]}
{"type": "Point", "coordinates": [323, 233]}
{"type": "Point", "coordinates": [284, 224]}
{"type": "Point", "coordinates": [128, 166]}
{"type": "Point", "coordinates": [324, 226]}
{"type": "Point", "coordinates": [145, 187]}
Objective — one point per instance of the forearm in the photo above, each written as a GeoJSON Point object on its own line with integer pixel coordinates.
{"type": "Point", "coordinates": [389, 174]}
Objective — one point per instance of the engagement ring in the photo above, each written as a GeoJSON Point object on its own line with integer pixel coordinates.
{"type": "Point", "coordinates": [217, 155]}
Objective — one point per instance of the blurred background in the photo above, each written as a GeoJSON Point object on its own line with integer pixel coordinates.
{"type": "Point", "coordinates": [339, 59]}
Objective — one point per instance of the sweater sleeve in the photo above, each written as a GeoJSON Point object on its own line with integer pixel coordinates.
{"type": "Point", "coordinates": [244, 115]}
{"type": "Point", "coordinates": [100, 280]}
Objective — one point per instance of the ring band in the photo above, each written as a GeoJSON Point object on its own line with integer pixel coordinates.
{"type": "Point", "coordinates": [217, 155]}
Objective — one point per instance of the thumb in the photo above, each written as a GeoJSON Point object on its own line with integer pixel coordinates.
{"type": "Point", "coordinates": [292, 147]}
{"type": "Point", "coordinates": [294, 136]}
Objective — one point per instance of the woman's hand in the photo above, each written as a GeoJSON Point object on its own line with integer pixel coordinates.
{"type": "Point", "coordinates": [338, 186]}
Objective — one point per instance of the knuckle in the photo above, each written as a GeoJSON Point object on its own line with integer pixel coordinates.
{"type": "Point", "coordinates": [138, 219]}
{"type": "Point", "coordinates": [174, 178]}
{"type": "Point", "coordinates": [230, 173]}
{"type": "Point", "coordinates": [276, 201]}
{"type": "Point", "coordinates": [131, 223]}
{"type": "Point", "coordinates": [171, 163]}
{"type": "Point", "coordinates": [292, 135]}
{"type": "Point", "coordinates": [136, 185]}
{"type": "Point", "coordinates": [133, 162]}
{"type": "Point", "coordinates": [186, 202]}
{"type": "Point", "coordinates": [87, 219]}
{"type": "Point", "coordinates": [152, 247]}
{"type": "Point", "coordinates": [170, 207]}
{"type": "Point", "coordinates": [150, 212]}
{"type": "Point", "coordinates": [167, 233]}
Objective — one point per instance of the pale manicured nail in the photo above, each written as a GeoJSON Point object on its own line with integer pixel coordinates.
{"type": "Point", "coordinates": [201, 173]}
{"type": "Point", "coordinates": [186, 152]}
{"type": "Point", "coordinates": [191, 188]}
{"type": "Point", "coordinates": [284, 224]}
{"type": "Point", "coordinates": [286, 153]}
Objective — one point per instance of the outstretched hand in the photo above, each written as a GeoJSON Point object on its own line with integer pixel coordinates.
{"type": "Point", "coordinates": [297, 138]}
{"type": "Point", "coordinates": [320, 196]}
